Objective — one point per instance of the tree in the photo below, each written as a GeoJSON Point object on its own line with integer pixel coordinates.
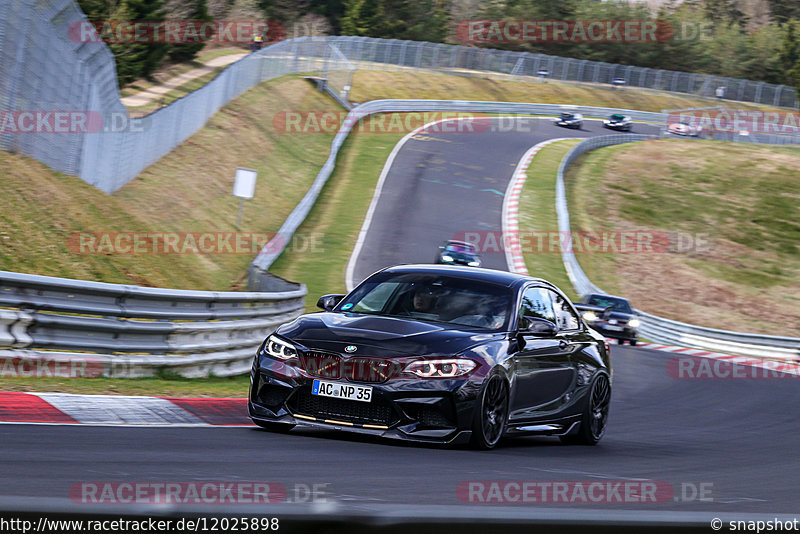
{"type": "Point", "coordinates": [790, 52]}
{"type": "Point", "coordinates": [187, 10]}
{"type": "Point", "coordinates": [353, 21]}
{"type": "Point", "coordinates": [784, 10]}
{"type": "Point", "coordinates": [724, 12]}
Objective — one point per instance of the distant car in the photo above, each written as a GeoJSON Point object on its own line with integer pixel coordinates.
{"type": "Point", "coordinates": [611, 316]}
{"type": "Point", "coordinates": [437, 354]}
{"type": "Point", "coordinates": [458, 253]}
{"type": "Point", "coordinates": [623, 123]}
{"type": "Point", "coordinates": [684, 128]}
{"type": "Point", "coordinates": [570, 120]}
{"type": "Point", "coordinates": [617, 80]}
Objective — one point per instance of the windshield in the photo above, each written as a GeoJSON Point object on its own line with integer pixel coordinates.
{"type": "Point", "coordinates": [618, 305]}
{"type": "Point", "coordinates": [460, 247]}
{"type": "Point", "coordinates": [567, 116]}
{"type": "Point", "coordinates": [617, 117]}
{"type": "Point", "coordinates": [440, 299]}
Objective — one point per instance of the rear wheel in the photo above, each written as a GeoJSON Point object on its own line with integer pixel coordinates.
{"type": "Point", "coordinates": [633, 342]}
{"type": "Point", "coordinates": [593, 422]}
{"type": "Point", "coordinates": [620, 342]}
{"type": "Point", "coordinates": [490, 414]}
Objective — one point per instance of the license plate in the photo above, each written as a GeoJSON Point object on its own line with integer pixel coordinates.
{"type": "Point", "coordinates": [612, 327]}
{"type": "Point", "coordinates": [341, 391]}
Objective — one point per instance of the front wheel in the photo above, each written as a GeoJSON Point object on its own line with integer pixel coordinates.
{"type": "Point", "coordinates": [595, 418]}
{"type": "Point", "coordinates": [491, 413]}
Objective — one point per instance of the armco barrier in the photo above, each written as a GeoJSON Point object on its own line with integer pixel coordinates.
{"type": "Point", "coordinates": [656, 328]}
{"type": "Point", "coordinates": [127, 331]}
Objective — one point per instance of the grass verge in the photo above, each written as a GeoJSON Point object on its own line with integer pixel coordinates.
{"type": "Point", "coordinates": [334, 222]}
{"type": "Point", "coordinates": [727, 215]}
{"type": "Point", "coordinates": [189, 190]}
{"type": "Point", "coordinates": [372, 85]}
{"type": "Point", "coordinates": [537, 214]}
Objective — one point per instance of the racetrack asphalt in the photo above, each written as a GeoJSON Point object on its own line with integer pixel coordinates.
{"type": "Point", "coordinates": [734, 439]}
{"type": "Point", "coordinates": [442, 185]}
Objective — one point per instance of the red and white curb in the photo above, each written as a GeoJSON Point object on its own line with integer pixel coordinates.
{"type": "Point", "coordinates": [513, 248]}
{"type": "Point", "coordinates": [769, 366]}
{"type": "Point", "coordinates": [65, 408]}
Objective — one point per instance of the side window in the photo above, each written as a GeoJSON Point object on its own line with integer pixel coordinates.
{"type": "Point", "coordinates": [536, 303]}
{"type": "Point", "coordinates": [565, 317]}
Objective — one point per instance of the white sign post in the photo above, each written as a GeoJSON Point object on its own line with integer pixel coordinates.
{"type": "Point", "coordinates": [244, 186]}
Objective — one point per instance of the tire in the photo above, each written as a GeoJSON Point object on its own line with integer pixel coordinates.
{"type": "Point", "coordinates": [620, 342]}
{"type": "Point", "coordinates": [278, 428]}
{"type": "Point", "coordinates": [595, 417]}
{"type": "Point", "coordinates": [633, 343]}
{"type": "Point", "coordinates": [491, 414]}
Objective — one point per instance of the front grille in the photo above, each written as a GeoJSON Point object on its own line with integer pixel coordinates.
{"type": "Point", "coordinates": [369, 370]}
{"type": "Point", "coordinates": [376, 412]}
{"type": "Point", "coordinates": [321, 364]}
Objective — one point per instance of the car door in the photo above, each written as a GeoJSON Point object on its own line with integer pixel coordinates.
{"type": "Point", "coordinates": [542, 367]}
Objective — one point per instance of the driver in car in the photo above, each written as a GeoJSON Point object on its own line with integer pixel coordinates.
{"type": "Point", "coordinates": [424, 301]}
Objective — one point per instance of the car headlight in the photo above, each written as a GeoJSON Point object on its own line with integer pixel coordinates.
{"type": "Point", "coordinates": [447, 257]}
{"type": "Point", "coordinates": [634, 323]}
{"type": "Point", "coordinates": [279, 349]}
{"type": "Point", "coordinates": [474, 264]}
{"type": "Point", "coordinates": [590, 316]}
{"type": "Point", "coordinates": [450, 368]}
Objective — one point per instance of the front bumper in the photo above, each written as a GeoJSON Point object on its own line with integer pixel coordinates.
{"type": "Point", "coordinates": [618, 127]}
{"type": "Point", "coordinates": [439, 412]}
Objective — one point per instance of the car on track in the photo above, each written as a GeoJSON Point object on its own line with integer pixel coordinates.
{"type": "Point", "coordinates": [568, 119]}
{"type": "Point", "coordinates": [612, 316]}
{"type": "Point", "coordinates": [684, 128]}
{"type": "Point", "coordinates": [458, 253]}
{"type": "Point", "coordinates": [437, 354]}
{"type": "Point", "coordinates": [622, 123]}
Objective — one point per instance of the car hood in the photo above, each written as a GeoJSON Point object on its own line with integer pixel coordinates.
{"type": "Point", "coordinates": [380, 336]}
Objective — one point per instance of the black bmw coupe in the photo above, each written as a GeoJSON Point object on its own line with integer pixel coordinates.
{"type": "Point", "coordinates": [438, 354]}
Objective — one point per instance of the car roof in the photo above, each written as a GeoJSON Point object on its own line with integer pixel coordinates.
{"type": "Point", "coordinates": [461, 243]}
{"type": "Point", "coordinates": [470, 273]}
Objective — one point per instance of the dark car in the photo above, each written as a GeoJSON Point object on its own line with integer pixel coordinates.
{"type": "Point", "coordinates": [458, 253]}
{"type": "Point", "coordinates": [438, 354]}
{"type": "Point", "coordinates": [568, 119]}
{"type": "Point", "coordinates": [611, 316]}
{"type": "Point", "coordinates": [622, 123]}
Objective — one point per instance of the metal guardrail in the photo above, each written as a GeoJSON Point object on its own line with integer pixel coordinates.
{"type": "Point", "coordinates": [653, 327]}
{"type": "Point", "coordinates": [126, 331]}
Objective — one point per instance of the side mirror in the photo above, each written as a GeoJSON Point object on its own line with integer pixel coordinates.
{"type": "Point", "coordinates": [329, 302]}
{"type": "Point", "coordinates": [537, 326]}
